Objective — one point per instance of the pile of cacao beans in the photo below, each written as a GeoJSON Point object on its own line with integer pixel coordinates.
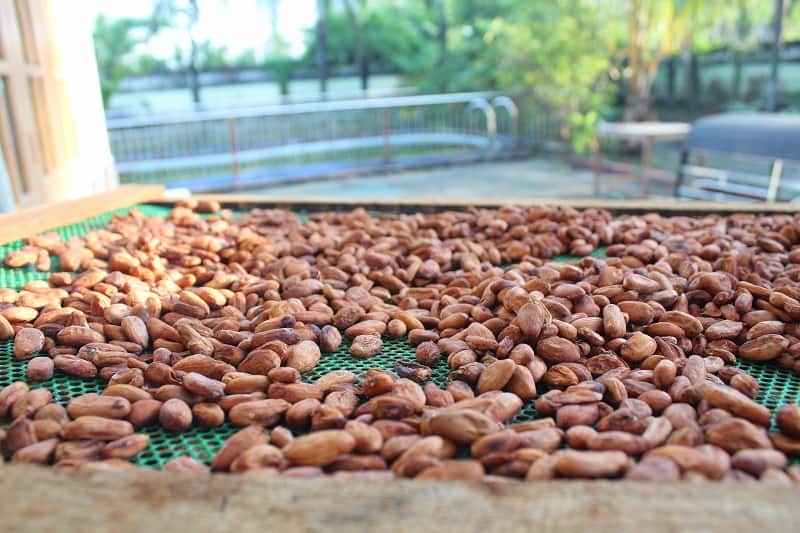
{"type": "Point", "coordinates": [629, 360]}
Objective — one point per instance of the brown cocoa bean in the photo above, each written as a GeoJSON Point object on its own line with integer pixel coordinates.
{"type": "Point", "coordinates": [320, 448]}
{"type": "Point", "coordinates": [27, 343]}
{"type": "Point", "coordinates": [40, 369]}
{"type": "Point", "coordinates": [175, 415]}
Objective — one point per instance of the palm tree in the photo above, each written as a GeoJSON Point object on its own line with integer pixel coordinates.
{"type": "Point", "coordinates": [657, 29]}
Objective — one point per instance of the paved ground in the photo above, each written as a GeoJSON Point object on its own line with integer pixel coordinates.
{"type": "Point", "coordinates": [530, 178]}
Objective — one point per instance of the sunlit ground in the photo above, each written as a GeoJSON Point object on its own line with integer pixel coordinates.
{"type": "Point", "coordinates": [531, 178]}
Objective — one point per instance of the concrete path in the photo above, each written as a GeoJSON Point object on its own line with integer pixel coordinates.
{"type": "Point", "coordinates": [530, 178]}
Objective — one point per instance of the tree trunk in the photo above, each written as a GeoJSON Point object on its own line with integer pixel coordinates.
{"type": "Point", "coordinates": [772, 84]}
{"type": "Point", "coordinates": [736, 83]}
{"type": "Point", "coordinates": [360, 53]}
{"type": "Point", "coordinates": [671, 81]}
{"type": "Point", "coordinates": [743, 28]}
{"type": "Point", "coordinates": [638, 101]}
{"type": "Point", "coordinates": [441, 31]}
{"type": "Point", "coordinates": [365, 75]}
{"type": "Point", "coordinates": [194, 78]}
{"type": "Point", "coordinates": [692, 84]}
{"type": "Point", "coordinates": [638, 105]}
{"type": "Point", "coordinates": [322, 47]}
{"type": "Point", "coordinates": [272, 8]}
{"type": "Point", "coordinates": [441, 36]}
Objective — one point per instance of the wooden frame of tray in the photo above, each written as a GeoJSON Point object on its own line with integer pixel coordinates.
{"type": "Point", "coordinates": [41, 499]}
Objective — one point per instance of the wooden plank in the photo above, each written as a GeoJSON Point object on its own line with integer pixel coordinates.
{"type": "Point", "coordinates": [665, 206]}
{"type": "Point", "coordinates": [41, 499]}
{"type": "Point", "coordinates": [8, 149]}
{"type": "Point", "coordinates": [37, 219]}
{"type": "Point", "coordinates": [33, 220]}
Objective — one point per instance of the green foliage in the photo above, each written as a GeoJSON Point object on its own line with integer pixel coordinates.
{"type": "Point", "coordinates": [558, 52]}
{"type": "Point", "coordinates": [791, 24]}
{"type": "Point", "coordinates": [283, 67]}
{"type": "Point", "coordinates": [211, 57]}
{"type": "Point", "coordinates": [390, 33]}
{"type": "Point", "coordinates": [555, 52]}
{"type": "Point", "coordinates": [145, 63]}
{"type": "Point", "coordinates": [561, 54]}
{"type": "Point", "coordinates": [246, 59]}
{"type": "Point", "coordinates": [115, 41]}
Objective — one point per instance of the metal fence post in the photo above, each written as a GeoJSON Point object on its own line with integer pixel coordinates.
{"type": "Point", "coordinates": [482, 104]}
{"type": "Point", "coordinates": [387, 137]}
{"type": "Point", "coordinates": [513, 112]}
{"type": "Point", "coordinates": [234, 150]}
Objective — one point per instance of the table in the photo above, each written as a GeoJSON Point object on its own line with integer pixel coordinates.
{"type": "Point", "coordinates": [644, 133]}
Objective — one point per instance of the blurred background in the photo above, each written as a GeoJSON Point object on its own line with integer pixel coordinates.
{"type": "Point", "coordinates": [407, 99]}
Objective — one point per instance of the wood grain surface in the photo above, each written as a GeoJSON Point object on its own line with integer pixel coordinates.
{"type": "Point", "coordinates": [426, 204]}
{"type": "Point", "coordinates": [33, 220]}
{"type": "Point", "coordinates": [39, 499]}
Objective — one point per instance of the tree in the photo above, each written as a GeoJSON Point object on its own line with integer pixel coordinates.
{"type": "Point", "coordinates": [114, 43]}
{"type": "Point", "coordinates": [558, 54]}
{"type": "Point", "coordinates": [275, 43]}
{"type": "Point", "coordinates": [441, 28]}
{"type": "Point", "coordinates": [278, 60]}
{"type": "Point", "coordinates": [210, 56]}
{"type": "Point", "coordinates": [145, 63]}
{"type": "Point", "coordinates": [743, 30]}
{"type": "Point", "coordinates": [246, 59]}
{"type": "Point", "coordinates": [183, 15]}
{"type": "Point", "coordinates": [655, 29]}
{"type": "Point", "coordinates": [361, 57]}
{"type": "Point", "coordinates": [451, 52]}
{"type": "Point", "coordinates": [322, 46]}
{"type": "Point", "coordinates": [390, 37]}
{"type": "Point", "coordinates": [377, 34]}
{"type": "Point", "coordinates": [772, 84]}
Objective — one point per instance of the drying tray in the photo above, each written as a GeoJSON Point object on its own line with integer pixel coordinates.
{"type": "Point", "coordinates": [777, 387]}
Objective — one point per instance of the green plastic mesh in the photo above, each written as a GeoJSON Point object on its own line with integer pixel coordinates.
{"type": "Point", "coordinates": [199, 443]}
{"type": "Point", "coordinates": [393, 350]}
{"type": "Point", "coordinates": [778, 387]}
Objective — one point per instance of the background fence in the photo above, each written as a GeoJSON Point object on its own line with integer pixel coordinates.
{"type": "Point", "coordinates": [254, 147]}
{"type": "Point", "coordinates": [723, 80]}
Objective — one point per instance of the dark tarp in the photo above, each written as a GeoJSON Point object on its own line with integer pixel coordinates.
{"type": "Point", "coordinates": [773, 135]}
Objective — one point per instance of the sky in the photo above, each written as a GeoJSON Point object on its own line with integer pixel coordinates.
{"type": "Point", "coordinates": [237, 24]}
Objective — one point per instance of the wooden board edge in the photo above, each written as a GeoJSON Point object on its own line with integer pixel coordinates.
{"type": "Point", "coordinates": [427, 204]}
{"type": "Point", "coordinates": [33, 220]}
{"type": "Point", "coordinates": [41, 499]}
{"type": "Point", "coordinates": [30, 221]}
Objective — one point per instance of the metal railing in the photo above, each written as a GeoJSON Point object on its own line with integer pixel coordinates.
{"type": "Point", "coordinates": [243, 148]}
{"type": "Point", "coordinates": [727, 176]}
